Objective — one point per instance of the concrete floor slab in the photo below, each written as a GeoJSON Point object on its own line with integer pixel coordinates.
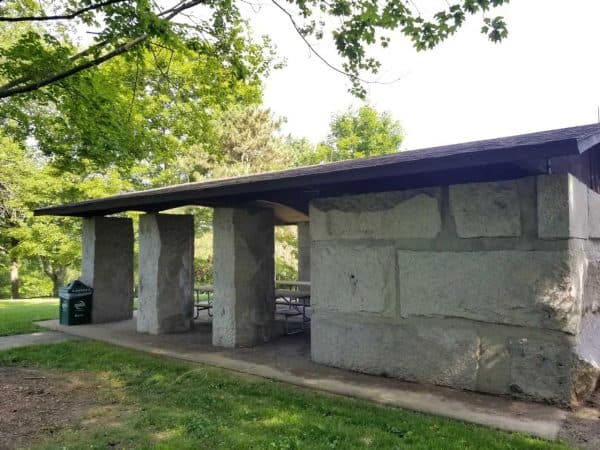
{"type": "Point", "coordinates": [42, 337]}
{"type": "Point", "coordinates": [288, 360]}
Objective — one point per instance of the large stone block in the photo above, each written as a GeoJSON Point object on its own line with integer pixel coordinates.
{"type": "Point", "coordinates": [386, 215]}
{"type": "Point", "coordinates": [442, 355]}
{"type": "Point", "coordinates": [166, 273]}
{"type": "Point", "coordinates": [486, 209]}
{"type": "Point", "coordinates": [540, 368]}
{"type": "Point", "coordinates": [354, 278]}
{"type": "Point", "coordinates": [594, 214]}
{"type": "Point", "coordinates": [585, 371]}
{"type": "Point", "coordinates": [523, 362]}
{"type": "Point", "coordinates": [304, 243]}
{"type": "Point", "coordinates": [527, 288]}
{"type": "Point", "coordinates": [243, 276]}
{"type": "Point", "coordinates": [107, 266]}
{"type": "Point", "coordinates": [562, 207]}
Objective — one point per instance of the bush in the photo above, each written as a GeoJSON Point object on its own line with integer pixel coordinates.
{"type": "Point", "coordinates": [203, 270]}
{"type": "Point", "coordinates": [284, 270]}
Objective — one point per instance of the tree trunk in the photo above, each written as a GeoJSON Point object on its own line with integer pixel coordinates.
{"type": "Point", "coordinates": [58, 280]}
{"type": "Point", "coordinates": [15, 282]}
{"type": "Point", "coordinates": [55, 285]}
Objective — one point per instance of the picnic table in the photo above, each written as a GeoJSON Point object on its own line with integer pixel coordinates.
{"type": "Point", "coordinates": [203, 305]}
{"type": "Point", "coordinates": [292, 301]}
{"type": "Point", "coordinates": [293, 284]}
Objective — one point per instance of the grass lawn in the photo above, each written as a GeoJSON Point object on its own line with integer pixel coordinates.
{"type": "Point", "coordinates": [17, 316]}
{"type": "Point", "coordinates": [148, 401]}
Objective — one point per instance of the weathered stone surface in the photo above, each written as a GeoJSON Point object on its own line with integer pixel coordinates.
{"type": "Point", "coordinates": [243, 276]}
{"type": "Point", "coordinates": [537, 288]}
{"type": "Point", "coordinates": [562, 207]}
{"type": "Point", "coordinates": [493, 373]}
{"type": "Point", "coordinates": [529, 363]}
{"type": "Point", "coordinates": [591, 293]}
{"type": "Point", "coordinates": [584, 379]}
{"type": "Point", "coordinates": [166, 278]}
{"type": "Point", "coordinates": [594, 214]}
{"type": "Point", "coordinates": [386, 215]}
{"type": "Point", "coordinates": [486, 209]}
{"type": "Point", "coordinates": [354, 278]}
{"type": "Point", "coordinates": [107, 266]}
{"type": "Point", "coordinates": [304, 243]}
{"type": "Point", "coordinates": [585, 371]}
{"type": "Point", "coordinates": [439, 355]}
{"type": "Point", "coordinates": [540, 369]}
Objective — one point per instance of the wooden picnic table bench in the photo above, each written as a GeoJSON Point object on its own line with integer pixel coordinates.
{"type": "Point", "coordinates": [295, 300]}
{"type": "Point", "coordinates": [292, 284]}
{"type": "Point", "coordinates": [203, 305]}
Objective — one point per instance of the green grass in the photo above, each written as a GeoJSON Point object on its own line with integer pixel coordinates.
{"type": "Point", "coordinates": [169, 404]}
{"type": "Point", "coordinates": [17, 316]}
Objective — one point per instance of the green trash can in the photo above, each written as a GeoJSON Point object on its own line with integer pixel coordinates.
{"type": "Point", "coordinates": [75, 303]}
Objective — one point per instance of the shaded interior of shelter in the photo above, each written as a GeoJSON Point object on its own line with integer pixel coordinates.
{"type": "Point", "coordinates": [248, 208]}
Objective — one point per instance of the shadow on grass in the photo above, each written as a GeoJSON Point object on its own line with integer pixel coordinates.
{"type": "Point", "coordinates": [163, 403]}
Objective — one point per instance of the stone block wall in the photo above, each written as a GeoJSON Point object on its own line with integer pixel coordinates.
{"type": "Point", "coordinates": [490, 287]}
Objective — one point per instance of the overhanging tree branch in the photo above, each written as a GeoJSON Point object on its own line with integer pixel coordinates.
{"type": "Point", "coordinates": [65, 16]}
{"type": "Point", "coordinates": [25, 85]}
{"type": "Point", "coordinates": [322, 58]}
{"type": "Point", "coordinates": [4, 92]}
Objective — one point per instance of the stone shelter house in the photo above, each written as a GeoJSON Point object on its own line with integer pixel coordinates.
{"type": "Point", "coordinates": [474, 266]}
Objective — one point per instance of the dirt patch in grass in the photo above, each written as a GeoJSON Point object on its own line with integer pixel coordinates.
{"type": "Point", "coordinates": [35, 403]}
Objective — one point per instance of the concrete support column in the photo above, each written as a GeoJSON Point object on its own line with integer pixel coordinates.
{"type": "Point", "coordinates": [244, 271]}
{"type": "Point", "coordinates": [107, 266]}
{"type": "Point", "coordinates": [166, 273]}
{"type": "Point", "coordinates": [304, 251]}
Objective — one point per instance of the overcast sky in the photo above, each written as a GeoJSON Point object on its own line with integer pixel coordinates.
{"type": "Point", "coordinates": [545, 75]}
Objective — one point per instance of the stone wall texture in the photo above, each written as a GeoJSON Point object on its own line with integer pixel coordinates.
{"type": "Point", "coordinates": [304, 251]}
{"type": "Point", "coordinates": [244, 245]}
{"type": "Point", "coordinates": [491, 287]}
{"type": "Point", "coordinates": [166, 277]}
{"type": "Point", "coordinates": [107, 266]}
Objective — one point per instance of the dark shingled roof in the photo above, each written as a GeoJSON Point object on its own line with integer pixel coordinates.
{"type": "Point", "coordinates": [291, 190]}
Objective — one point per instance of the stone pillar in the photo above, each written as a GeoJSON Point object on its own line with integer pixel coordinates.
{"type": "Point", "coordinates": [107, 266]}
{"type": "Point", "coordinates": [304, 251]}
{"type": "Point", "coordinates": [166, 273]}
{"type": "Point", "coordinates": [244, 271]}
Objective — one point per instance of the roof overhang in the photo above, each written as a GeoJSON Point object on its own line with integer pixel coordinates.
{"type": "Point", "coordinates": [288, 192]}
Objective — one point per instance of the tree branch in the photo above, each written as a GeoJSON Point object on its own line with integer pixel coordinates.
{"type": "Point", "coordinates": [318, 55]}
{"type": "Point", "coordinates": [7, 92]}
{"type": "Point", "coordinates": [65, 16]}
{"type": "Point", "coordinates": [87, 51]}
{"type": "Point", "coordinates": [11, 89]}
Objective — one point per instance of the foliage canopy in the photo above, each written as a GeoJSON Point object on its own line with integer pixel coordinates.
{"type": "Point", "coordinates": [357, 134]}
{"type": "Point", "coordinates": [40, 55]}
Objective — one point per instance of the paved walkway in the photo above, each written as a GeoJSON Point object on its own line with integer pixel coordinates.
{"type": "Point", "coordinates": [288, 360]}
{"type": "Point", "coordinates": [42, 337]}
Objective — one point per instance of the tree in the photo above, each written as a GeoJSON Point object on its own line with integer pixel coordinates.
{"type": "Point", "coordinates": [135, 113]}
{"type": "Point", "coordinates": [51, 244]}
{"type": "Point", "coordinates": [357, 134]}
{"type": "Point", "coordinates": [15, 168]}
{"type": "Point", "coordinates": [41, 56]}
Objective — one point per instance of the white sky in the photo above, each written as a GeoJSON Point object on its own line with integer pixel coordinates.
{"type": "Point", "coordinates": [545, 75]}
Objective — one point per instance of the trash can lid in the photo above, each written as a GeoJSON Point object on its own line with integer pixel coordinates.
{"type": "Point", "coordinates": [77, 287]}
